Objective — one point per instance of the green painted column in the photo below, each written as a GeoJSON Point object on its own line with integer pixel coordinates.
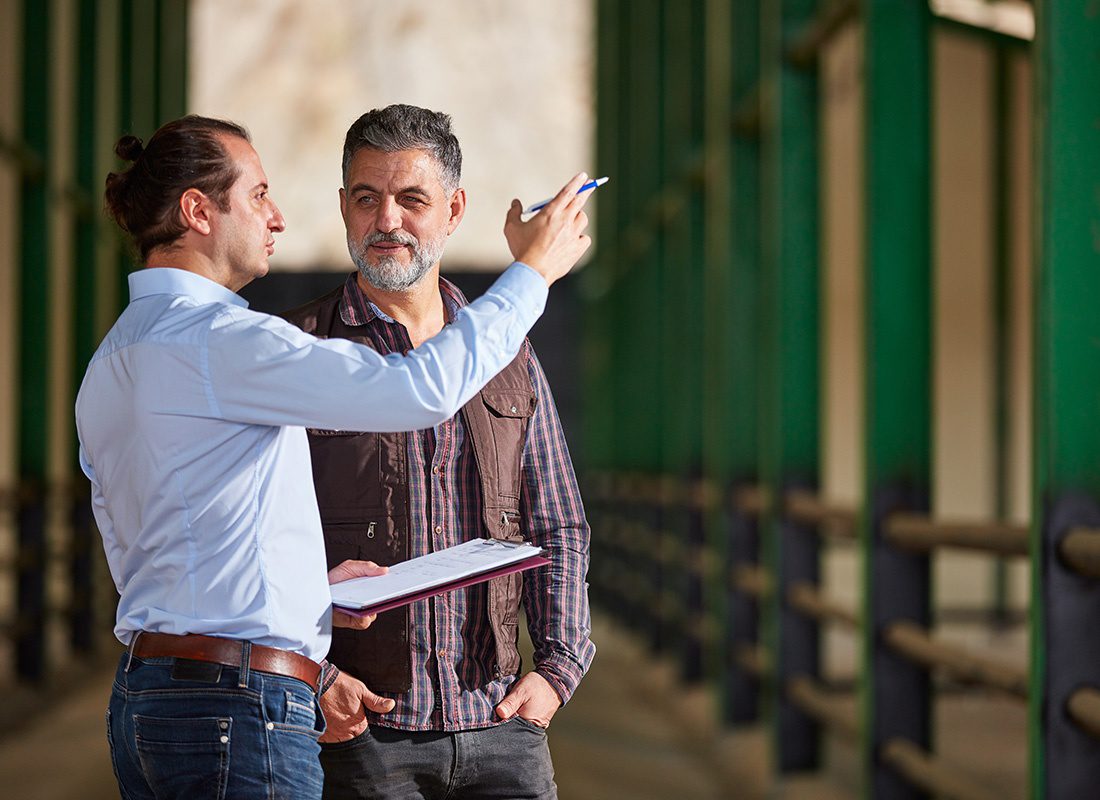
{"type": "Point", "coordinates": [139, 78]}
{"type": "Point", "coordinates": [743, 342]}
{"type": "Point", "coordinates": [718, 384]}
{"type": "Point", "coordinates": [598, 444]}
{"type": "Point", "coordinates": [640, 293]}
{"type": "Point", "coordinates": [678, 316]}
{"type": "Point", "coordinates": [895, 695]}
{"type": "Point", "coordinates": [596, 449]}
{"type": "Point", "coordinates": [86, 550]}
{"type": "Point", "coordinates": [172, 60]}
{"type": "Point", "coordinates": [1065, 607]}
{"type": "Point", "coordinates": [789, 291]}
{"type": "Point", "coordinates": [34, 343]}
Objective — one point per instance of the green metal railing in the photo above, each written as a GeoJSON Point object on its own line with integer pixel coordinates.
{"type": "Point", "coordinates": [734, 448]}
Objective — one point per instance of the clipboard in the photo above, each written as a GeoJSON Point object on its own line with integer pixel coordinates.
{"type": "Point", "coordinates": [436, 573]}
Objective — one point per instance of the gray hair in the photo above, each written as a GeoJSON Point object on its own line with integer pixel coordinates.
{"type": "Point", "coordinates": [403, 127]}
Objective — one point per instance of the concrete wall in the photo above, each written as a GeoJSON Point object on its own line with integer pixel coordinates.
{"type": "Point", "coordinates": [516, 78]}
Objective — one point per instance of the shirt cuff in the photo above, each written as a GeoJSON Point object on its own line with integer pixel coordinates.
{"type": "Point", "coordinates": [524, 288]}
{"type": "Point", "coordinates": [563, 675]}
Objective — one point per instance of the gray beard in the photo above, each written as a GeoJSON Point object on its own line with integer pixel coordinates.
{"type": "Point", "coordinates": [389, 275]}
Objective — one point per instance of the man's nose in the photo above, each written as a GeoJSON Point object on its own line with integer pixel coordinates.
{"type": "Point", "coordinates": [389, 216]}
{"type": "Point", "coordinates": [277, 224]}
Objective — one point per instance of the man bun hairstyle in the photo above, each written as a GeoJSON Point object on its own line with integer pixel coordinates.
{"type": "Point", "coordinates": [403, 127]}
{"type": "Point", "coordinates": [184, 154]}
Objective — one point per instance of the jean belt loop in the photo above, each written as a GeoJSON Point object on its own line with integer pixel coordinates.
{"type": "Point", "coordinates": [246, 659]}
{"type": "Point", "coordinates": [130, 651]}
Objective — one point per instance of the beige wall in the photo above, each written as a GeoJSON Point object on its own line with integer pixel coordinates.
{"type": "Point", "coordinates": [516, 77]}
{"type": "Point", "coordinates": [842, 318]}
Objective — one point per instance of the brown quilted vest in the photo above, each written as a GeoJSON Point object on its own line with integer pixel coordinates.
{"type": "Point", "coordinates": [362, 492]}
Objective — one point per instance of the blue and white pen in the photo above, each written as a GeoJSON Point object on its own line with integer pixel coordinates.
{"type": "Point", "coordinates": [590, 185]}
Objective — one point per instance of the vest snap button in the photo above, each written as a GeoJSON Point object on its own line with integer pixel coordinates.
{"type": "Point", "coordinates": [514, 409]}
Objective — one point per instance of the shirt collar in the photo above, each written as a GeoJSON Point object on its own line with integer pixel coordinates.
{"type": "Point", "coordinates": [170, 280]}
{"type": "Point", "coordinates": [356, 309]}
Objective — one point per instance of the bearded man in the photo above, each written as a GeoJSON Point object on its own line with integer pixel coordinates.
{"type": "Point", "coordinates": [431, 702]}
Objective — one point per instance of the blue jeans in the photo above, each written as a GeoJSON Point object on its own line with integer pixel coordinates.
{"type": "Point", "coordinates": [187, 729]}
{"type": "Point", "coordinates": [510, 761]}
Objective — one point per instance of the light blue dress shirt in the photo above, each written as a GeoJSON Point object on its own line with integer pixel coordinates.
{"type": "Point", "coordinates": [190, 419]}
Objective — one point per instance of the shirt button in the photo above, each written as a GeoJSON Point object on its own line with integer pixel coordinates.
{"type": "Point", "coordinates": [439, 529]}
{"type": "Point", "coordinates": [514, 409]}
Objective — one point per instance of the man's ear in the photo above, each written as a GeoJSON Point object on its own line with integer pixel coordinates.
{"type": "Point", "coordinates": [195, 211]}
{"type": "Point", "coordinates": [458, 209]}
{"type": "Point", "coordinates": [344, 205]}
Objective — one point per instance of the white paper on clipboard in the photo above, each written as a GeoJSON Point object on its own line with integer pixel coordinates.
{"type": "Point", "coordinates": [426, 572]}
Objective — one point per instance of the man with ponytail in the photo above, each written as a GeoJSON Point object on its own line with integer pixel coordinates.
{"type": "Point", "coordinates": [191, 420]}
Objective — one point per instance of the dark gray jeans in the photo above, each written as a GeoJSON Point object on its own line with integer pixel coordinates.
{"type": "Point", "coordinates": [508, 762]}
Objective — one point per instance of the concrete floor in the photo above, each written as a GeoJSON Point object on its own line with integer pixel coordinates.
{"type": "Point", "coordinates": [631, 731]}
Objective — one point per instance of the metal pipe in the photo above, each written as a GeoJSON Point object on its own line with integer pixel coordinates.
{"type": "Point", "coordinates": [922, 533]}
{"type": "Point", "coordinates": [807, 694]}
{"type": "Point", "coordinates": [930, 773]}
{"type": "Point", "coordinates": [751, 579]}
{"type": "Point", "coordinates": [752, 658]}
{"type": "Point", "coordinates": [1083, 707]}
{"type": "Point", "coordinates": [915, 643]}
{"type": "Point", "coordinates": [751, 500]}
{"type": "Point", "coordinates": [808, 508]}
{"type": "Point", "coordinates": [808, 42]}
{"type": "Point", "coordinates": [1080, 549]}
{"type": "Point", "coordinates": [810, 601]}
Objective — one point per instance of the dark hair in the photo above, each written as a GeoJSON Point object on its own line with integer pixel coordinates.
{"type": "Point", "coordinates": [401, 127]}
{"type": "Point", "coordinates": [183, 154]}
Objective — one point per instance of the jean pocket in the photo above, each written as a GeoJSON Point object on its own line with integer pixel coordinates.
{"type": "Point", "coordinates": [297, 713]}
{"type": "Point", "coordinates": [347, 744]}
{"type": "Point", "coordinates": [191, 755]}
{"type": "Point", "coordinates": [526, 723]}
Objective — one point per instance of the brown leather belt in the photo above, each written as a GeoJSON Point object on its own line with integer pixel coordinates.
{"type": "Point", "coordinates": [229, 652]}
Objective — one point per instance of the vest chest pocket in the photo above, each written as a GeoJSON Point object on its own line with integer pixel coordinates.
{"type": "Point", "coordinates": [510, 412]}
{"type": "Point", "coordinates": [374, 538]}
{"type": "Point", "coordinates": [346, 469]}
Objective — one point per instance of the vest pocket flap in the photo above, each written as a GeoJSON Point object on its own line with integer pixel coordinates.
{"type": "Point", "coordinates": [510, 404]}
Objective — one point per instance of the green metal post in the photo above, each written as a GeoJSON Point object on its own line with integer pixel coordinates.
{"type": "Point", "coordinates": [597, 443]}
{"type": "Point", "coordinates": [679, 312]}
{"type": "Point", "coordinates": [86, 550]}
{"type": "Point", "coordinates": [896, 700]}
{"type": "Point", "coordinates": [743, 340]}
{"type": "Point", "coordinates": [599, 385]}
{"type": "Point", "coordinates": [717, 297]}
{"type": "Point", "coordinates": [171, 60]}
{"type": "Point", "coordinates": [138, 79]}
{"type": "Point", "coordinates": [1002, 305]}
{"type": "Point", "coordinates": [741, 692]}
{"type": "Point", "coordinates": [1065, 607]}
{"type": "Point", "coordinates": [790, 304]}
{"type": "Point", "coordinates": [640, 310]}
{"type": "Point", "coordinates": [34, 344]}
